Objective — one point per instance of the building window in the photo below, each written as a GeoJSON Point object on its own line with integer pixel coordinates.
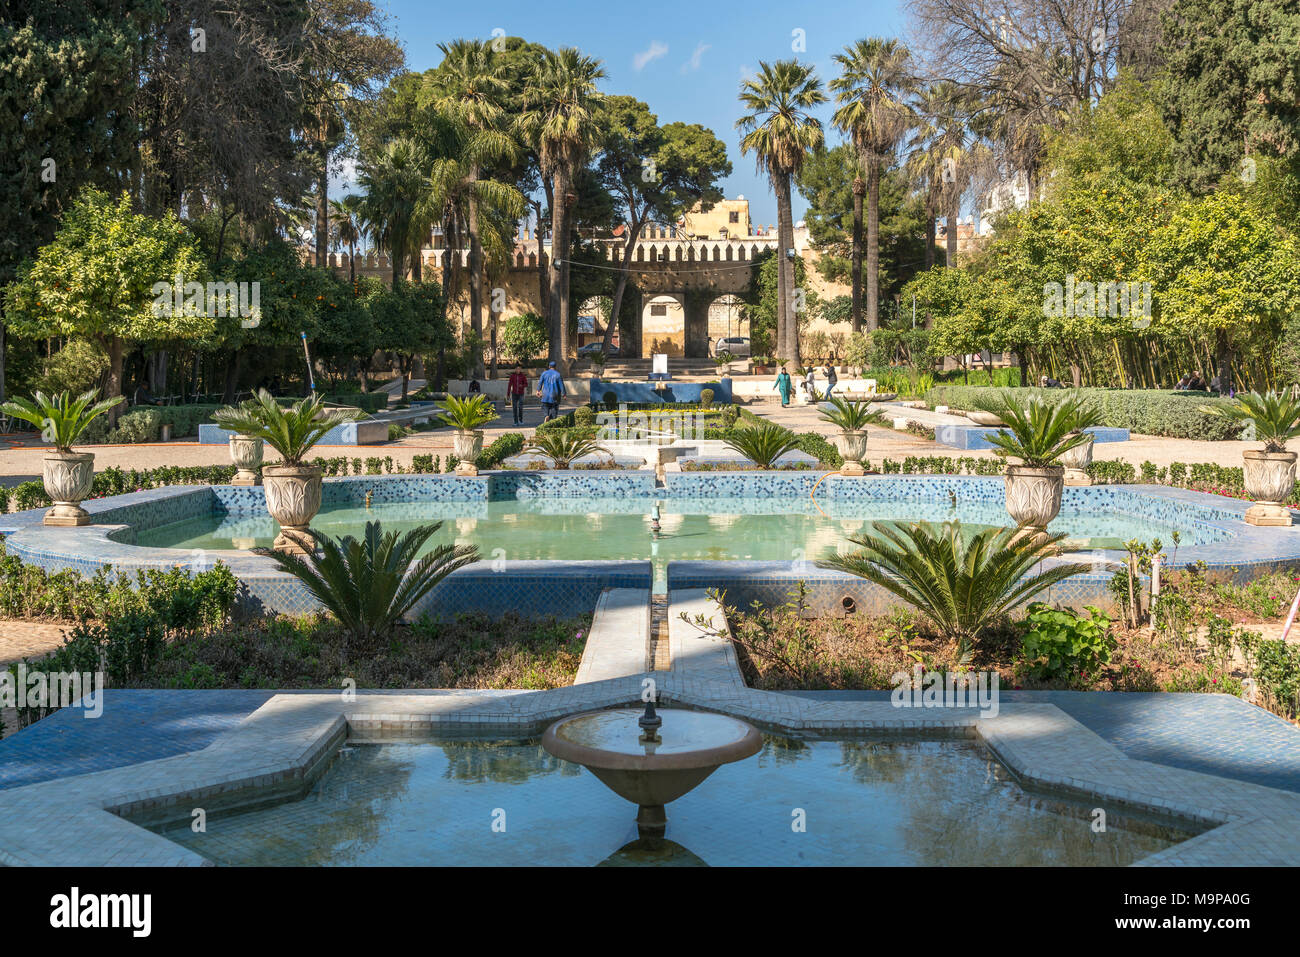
{"type": "Point", "coordinates": [722, 233]}
{"type": "Point", "coordinates": [658, 309]}
{"type": "Point", "coordinates": [733, 216]}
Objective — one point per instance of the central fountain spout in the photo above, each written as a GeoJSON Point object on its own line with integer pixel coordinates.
{"type": "Point", "coordinates": [650, 724]}
{"type": "Point", "coordinates": [649, 770]}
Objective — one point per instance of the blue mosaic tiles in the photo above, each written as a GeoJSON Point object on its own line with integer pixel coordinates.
{"type": "Point", "coordinates": [643, 393]}
{"type": "Point", "coordinates": [1217, 535]}
{"type": "Point", "coordinates": [972, 437]}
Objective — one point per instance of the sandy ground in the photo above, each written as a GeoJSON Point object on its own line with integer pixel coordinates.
{"type": "Point", "coordinates": [20, 454]}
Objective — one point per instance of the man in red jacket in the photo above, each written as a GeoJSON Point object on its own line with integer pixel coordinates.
{"type": "Point", "coordinates": [517, 388]}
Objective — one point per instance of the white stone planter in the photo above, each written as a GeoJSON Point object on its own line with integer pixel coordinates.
{"type": "Point", "coordinates": [1076, 462]}
{"type": "Point", "coordinates": [1034, 496]}
{"type": "Point", "coordinates": [852, 446]}
{"type": "Point", "coordinates": [68, 479]}
{"type": "Point", "coordinates": [467, 446]}
{"type": "Point", "coordinates": [246, 453]}
{"type": "Point", "coordinates": [1269, 480]}
{"type": "Point", "coordinates": [293, 497]}
{"type": "Point", "coordinates": [984, 418]}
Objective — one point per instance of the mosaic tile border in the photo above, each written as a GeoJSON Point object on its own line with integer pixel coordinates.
{"type": "Point", "coordinates": [1232, 549]}
{"type": "Point", "coordinates": [281, 747]}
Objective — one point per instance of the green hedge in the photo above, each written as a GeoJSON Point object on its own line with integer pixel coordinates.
{"type": "Point", "coordinates": [371, 402]}
{"type": "Point", "coordinates": [1146, 411]}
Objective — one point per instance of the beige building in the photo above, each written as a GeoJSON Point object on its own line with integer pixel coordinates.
{"type": "Point", "coordinates": [728, 219]}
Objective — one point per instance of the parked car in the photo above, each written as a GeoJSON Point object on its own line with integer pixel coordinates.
{"type": "Point", "coordinates": [591, 348]}
{"type": "Point", "coordinates": [738, 346]}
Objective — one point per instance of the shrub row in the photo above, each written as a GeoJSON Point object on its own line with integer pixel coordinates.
{"type": "Point", "coordinates": [1146, 411]}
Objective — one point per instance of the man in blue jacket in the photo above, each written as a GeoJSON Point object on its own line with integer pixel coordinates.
{"type": "Point", "coordinates": [550, 389]}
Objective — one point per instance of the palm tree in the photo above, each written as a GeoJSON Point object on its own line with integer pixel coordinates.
{"type": "Point", "coordinates": [396, 184]}
{"type": "Point", "coordinates": [345, 224]}
{"type": "Point", "coordinates": [870, 90]}
{"type": "Point", "coordinates": [941, 152]}
{"type": "Point", "coordinates": [559, 118]}
{"type": "Point", "coordinates": [961, 583]}
{"type": "Point", "coordinates": [469, 86]}
{"type": "Point", "coordinates": [780, 131]}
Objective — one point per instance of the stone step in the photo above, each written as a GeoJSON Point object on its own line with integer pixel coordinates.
{"type": "Point", "coordinates": [618, 644]}
{"type": "Point", "coordinates": [701, 650]}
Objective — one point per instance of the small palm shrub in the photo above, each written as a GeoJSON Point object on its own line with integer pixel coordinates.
{"type": "Point", "coordinates": [562, 446]}
{"type": "Point", "coordinates": [61, 418]}
{"type": "Point", "coordinates": [1276, 416]}
{"type": "Point", "coordinates": [763, 444]}
{"type": "Point", "coordinates": [291, 430]}
{"type": "Point", "coordinates": [961, 583]}
{"type": "Point", "coordinates": [468, 414]}
{"type": "Point", "coordinates": [1039, 432]}
{"type": "Point", "coordinates": [849, 415]}
{"type": "Point", "coordinates": [371, 582]}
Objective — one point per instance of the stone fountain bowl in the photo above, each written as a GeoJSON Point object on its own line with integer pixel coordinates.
{"type": "Point", "coordinates": [693, 744]}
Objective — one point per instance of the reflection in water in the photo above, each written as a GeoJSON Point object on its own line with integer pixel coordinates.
{"type": "Point", "coordinates": [652, 852]}
{"type": "Point", "coordinates": [897, 802]}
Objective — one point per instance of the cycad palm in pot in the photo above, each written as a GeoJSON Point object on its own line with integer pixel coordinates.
{"type": "Point", "coordinates": [467, 416]}
{"type": "Point", "coordinates": [68, 475]}
{"type": "Point", "coordinates": [1037, 433]}
{"type": "Point", "coordinates": [851, 416]}
{"type": "Point", "coordinates": [1269, 473]}
{"type": "Point", "coordinates": [293, 488]}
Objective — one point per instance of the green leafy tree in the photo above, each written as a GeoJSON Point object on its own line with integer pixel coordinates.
{"type": "Point", "coordinates": [65, 114]}
{"type": "Point", "coordinates": [524, 336]}
{"type": "Point", "coordinates": [656, 173]}
{"type": "Point", "coordinates": [97, 280]}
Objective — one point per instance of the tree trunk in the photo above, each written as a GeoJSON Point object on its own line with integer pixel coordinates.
{"type": "Point", "coordinates": [323, 205]}
{"type": "Point", "coordinates": [113, 346]}
{"type": "Point", "coordinates": [785, 242]}
{"type": "Point", "coordinates": [873, 245]}
{"type": "Point", "coordinates": [1223, 362]}
{"type": "Point", "coordinates": [476, 285]}
{"type": "Point", "coordinates": [859, 187]}
{"type": "Point", "coordinates": [543, 280]}
{"type": "Point", "coordinates": [233, 364]}
{"type": "Point", "coordinates": [3, 396]}
{"type": "Point", "coordinates": [620, 287]}
{"type": "Point", "coordinates": [929, 238]}
{"type": "Point", "coordinates": [559, 300]}
{"type": "Point", "coordinates": [952, 232]}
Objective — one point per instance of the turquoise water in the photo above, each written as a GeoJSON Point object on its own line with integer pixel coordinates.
{"type": "Point", "coordinates": [512, 804]}
{"type": "Point", "coordinates": [762, 529]}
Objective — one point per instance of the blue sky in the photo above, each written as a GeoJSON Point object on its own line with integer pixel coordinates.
{"type": "Point", "coordinates": [685, 59]}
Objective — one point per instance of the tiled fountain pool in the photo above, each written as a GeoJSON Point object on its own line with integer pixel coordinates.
{"type": "Point", "coordinates": [772, 528]}
{"type": "Point", "coordinates": [861, 802]}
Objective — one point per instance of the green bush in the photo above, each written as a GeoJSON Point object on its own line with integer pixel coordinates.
{"type": "Point", "coordinates": [1277, 669]}
{"type": "Point", "coordinates": [706, 398]}
{"type": "Point", "coordinates": [584, 415]}
{"type": "Point", "coordinates": [371, 402]}
{"type": "Point", "coordinates": [511, 443]}
{"type": "Point", "coordinates": [1062, 646]}
{"type": "Point", "coordinates": [1146, 411]}
{"type": "Point", "coordinates": [138, 425]}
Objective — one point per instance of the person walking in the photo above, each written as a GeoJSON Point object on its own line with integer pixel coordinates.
{"type": "Point", "coordinates": [550, 389]}
{"type": "Point", "coordinates": [785, 386]}
{"type": "Point", "coordinates": [810, 384]}
{"type": "Point", "coordinates": [516, 389]}
{"type": "Point", "coordinates": [831, 379]}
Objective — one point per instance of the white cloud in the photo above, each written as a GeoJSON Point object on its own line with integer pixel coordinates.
{"type": "Point", "coordinates": [654, 52]}
{"type": "Point", "coordinates": [693, 63]}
